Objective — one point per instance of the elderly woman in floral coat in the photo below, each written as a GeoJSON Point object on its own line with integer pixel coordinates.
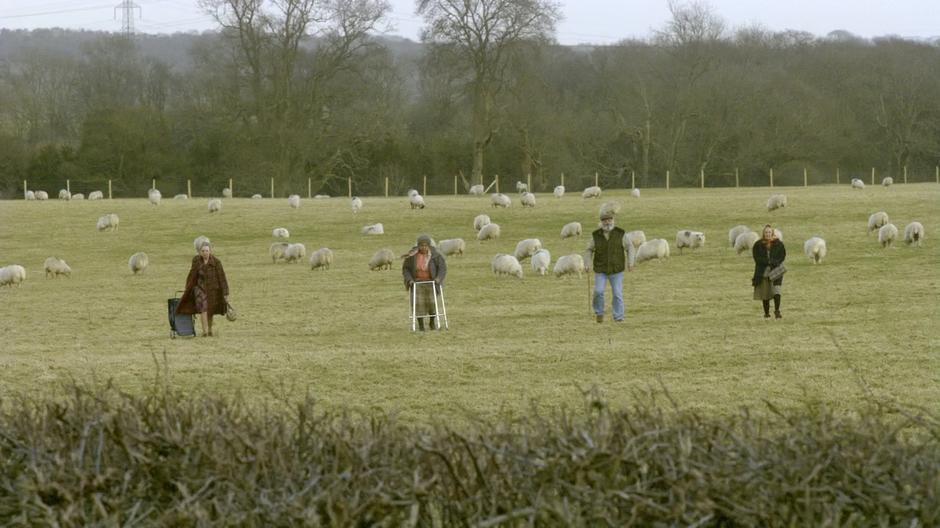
{"type": "Point", "coordinates": [206, 289]}
{"type": "Point", "coordinates": [423, 264]}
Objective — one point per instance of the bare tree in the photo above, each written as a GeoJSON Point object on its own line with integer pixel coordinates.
{"type": "Point", "coordinates": [481, 34]}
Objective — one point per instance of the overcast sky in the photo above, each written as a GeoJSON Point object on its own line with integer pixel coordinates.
{"type": "Point", "coordinates": [586, 21]}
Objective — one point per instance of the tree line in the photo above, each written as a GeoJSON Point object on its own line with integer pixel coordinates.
{"type": "Point", "coordinates": [299, 90]}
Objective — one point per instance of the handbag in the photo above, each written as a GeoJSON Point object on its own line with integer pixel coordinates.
{"type": "Point", "coordinates": [230, 312]}
{"type": "Point", "coordinates": [777, 272]}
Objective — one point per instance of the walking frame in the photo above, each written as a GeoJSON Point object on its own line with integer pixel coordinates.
{"type": "Point", "coordinates": [440, 311]}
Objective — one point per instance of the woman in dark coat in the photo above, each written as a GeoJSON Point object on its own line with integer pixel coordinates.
{"type": "Point", "coordinates": [768, 253]}
{"type": "Point", "coordinates": [422, 264]}
{"type": "Point", "coordinates": [206, 289]}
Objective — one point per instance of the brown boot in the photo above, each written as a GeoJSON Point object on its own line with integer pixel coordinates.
{"type": "Point", "coordinates": [599, 318]}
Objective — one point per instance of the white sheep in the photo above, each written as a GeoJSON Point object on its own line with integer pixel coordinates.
{"type": "Point", "coordinates": [571, 229]}
{"type": "Point", "coordinates": [656, 248]}
{"type": "Point", "coordinates": [887, 234]}
{"type": "Point", "coordinates": [280, 232]}
{"type": "Point", "coordinates": [154, 196]}
{"type": "Point", "coordinates": [540, 261]}
{"type": "Point", "coordinates": [12, 275]}
{"type": "Point", "coordinates": [876, 220]}
{"type": "Point", "coordinates": [226, 193]}
{"type": "Point", "coordinates": [78, 197]}
{"type": "Point", "coordinates": [857, 183]}
{"type": "Point", "coordinates": [745, 241]}
{"type": "Point", "coordinates": [452, 246]}
{"type": "Point", "coordinates": [480, 221]}
{"type": "Point", "coordinates": [569, 265]}
{"type": "Point", "coordinates": [914, 233]}
{"type": "Point", "coordinates": [321, 259]}
{"type": "Point", "coordinates": [55, 266]}
{"type": "Point", "coordinates": [256, 196]}
{"type": "Point", "coordinates": [30, 195]}
{"type": "Point", "coordinates": [500, 200]}
{"type": "Point", "coordinates": [689, 239]}
{"type": "Point", "coordinates": [373, 229]}
{"type": "Point", "coordinates": [526, 248]}
{"type": "Point", "coordinates": [521, 187]}
{"type": "Point", "coordinates": [412, 192]}
{"type": "Point", "coordinates": [382, 260]}
{"type": "Point", "coordinates": [356, 204]}
{"type": "Point", "coordinates": [41, 195]}
{"type": "Point", "coordinates": [776, 201]}
{"type": "Point", "coordinates": [815, 249]}
{"type": "Point", "coordinates": [631, 243]}
{"type": "Point", "coordinates": [608, 208]}
{"type": "Point", "coordinates": [293, 201]}
{"type": "Point", "coordinates": [215, 205]}
{"type": "Point", "coordinates": [476, 190]}
{"type": "Point", "coordinates": [181, 196]}
{"type": "Point", "coordinates": [416, 201]}
{"type": "Point", "coordinates": [95, 195]}
{"type": "Point", "coordinates": [277, 251]}
{"type": "Point", "coordinates": [506, 265]}
{"type": "Point", "coordinates": [108, 222]}
{"type": "Point", "coordinates": [735, 231]}
{"type": "Point", "coordinates": [635, 193]}
{"type": "Point", "coordinates": [138, 262]}
{"type": "Point", "coordinates": [559, 191]}
{"type": "Point", "coordinates": [64, 194]}
{"type": "Point", "coordinates": [295, 253]}
{"type": "Point", "coordinates": [887, 181]}
{"type": "Point", "coordinates": [488, 232]}
{"type": "Point", "coordinates": [320, 196]}
{"type": "Point", "coordinates": [591, 192]}
{"type": "Point", "coordinates": [527, 199]}
{"type": "Point", "coordinates": [200, 241]}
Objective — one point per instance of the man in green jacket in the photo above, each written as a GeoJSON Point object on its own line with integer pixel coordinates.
{"type": "Point", "coordinates": [608, 261]}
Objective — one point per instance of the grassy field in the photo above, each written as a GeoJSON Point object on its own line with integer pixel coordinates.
{"type": "Point", "coordinates": [865, 321]}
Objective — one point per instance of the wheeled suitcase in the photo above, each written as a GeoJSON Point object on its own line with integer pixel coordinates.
{"type": "Point", "coordinates": [180, 324]}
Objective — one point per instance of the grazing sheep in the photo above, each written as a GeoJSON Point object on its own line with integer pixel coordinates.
{"type": "Point", "coordinates": [876, 220]}
{"type": "Point", "coordinates": [635, 193]}
{"type": "Point", "coordinates": [64, 194]}
{"type": "Point", "coordinates": [815, 249]}
{"type": "Point", "coordinates": [154, 196]}
{"type": "Point", "coordinates": [776, 201]}
{"type": "Point", "coordinates": [887, 181]}
{"type": "Point", "coordinates": [745, 242]}
{"type": "Point", "coordinates": [476, 190]}
{"type": "Point", "coordinates": [500, 200]}
{"type": "Point", "coordinates": [181, 197]}
{"type": "Point", "coordinates": [55, 266]}
{"type": "Point", "coordinates": [373, 229]}
{"type": "Point", "coordinates": [416, 201]}
{"type": "Point", "coordinates": [12, 275]}
{"type": "Point", "coordinates": [480, 221]}
{"type": "Point", "coordinates": [488, 232]}
{"type": "Point", "coordinates": [540, 261]}
{"type": "Point", "coordinates": [293, 201]}
{"type": "Point", "coordinates": [521, 187]}
{"type": "Point", "coordinates": [887, 234]}
{"type": "Point", "coordinates": [571, 229]}
{"type": "Point", "coordinates": [526, 248]}
{"type": "Point", "coordinates": [689, 239]}
{"type": "Point", "coordinates": [200, 241]}
{"type": "Point", "coordinates": [857, 183]}
{"type": "Point", "coordinates": [569, 265]}
{"type": "Point", "coordinates": [412, 192]}
{"type": "Point", "coordinates": [321, 259]}
{"type": "Point", "coordinates": [631, 243]}
{"type": "Point", "coordinates": [78, 196]}
{"type": "Point", "coordinates": [280, 232]}
{"type": "Point", "coordinates": [108, 222]}
{"type": "Point", "coordinates": [138, 262]}
{"type": "Point", "coordinates": [30, 195]}
{"type": "Point", "coordinates": [506, 265]}
{"type": "Point", "coordinates": [320, 196]}
{"type": "Point", "coordinates": [41, 195]}
{"type": "Point", "coordinates": [356, 204]}
{"type": "Point", "coordinates": [277, 251]}
{"type": "Point", "coordinates": [226, 193]}
{"type": "Point", "coordinates": [215, 205]}
{"type": "Point", "coordinates": [735, 231]}
{"type": "Point", "coordinates": [295, 253]}
{"type": "Point", "coordinates": [591, 192]}
{"type": "Point", "coordinates": [256, 197]}
{"type": "Point", "coordinates": [656, 248]}
{"type": "Point", "coordinates": [527, 199]}
{"type": "Point", "coordinates": [914, 233]}
{"type": "Point", "coordinates": [95, 195]}
{"type": "Point", "coordinates": [382, 260]}
{"type": "Point", "coordinates": [559, 191]}
{"type": "Point", "coordinates": [452, 246]}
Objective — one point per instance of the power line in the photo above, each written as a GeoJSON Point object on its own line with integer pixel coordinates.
{"type": "Point", "coordinates": [59, 11]}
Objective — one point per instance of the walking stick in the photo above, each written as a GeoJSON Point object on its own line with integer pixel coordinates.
{"type": "Point", "coordinates": [590, 293]}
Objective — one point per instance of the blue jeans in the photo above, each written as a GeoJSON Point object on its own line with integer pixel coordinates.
{"type": "Point", "coordinates": [616, 288]}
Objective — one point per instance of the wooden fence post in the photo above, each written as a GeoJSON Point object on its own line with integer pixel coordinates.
{"type": "Point", "coordinates": [771, 176]}
{"type": "Point", "coordinates": [563, 179]}
{"type": "Point", "coordinates": [905, 174]}
{"type": "Point", "coordinates": [272, 187]}
{"type": "Point", "coordinates": [496, 179]}
{"type": "Point", "coordinates": [349, 187]}
{"type": "Point", "coordinates": [309, 188]}
{"type": "Point", "coordinates": [68, 187]}
{"type": "Point", "coordinates": [528, 181]}
{"type": "Point", "coordinates": [936, 171]}
{"type": "Point", "coordinates": [231, 187]}
{"type": "Point", "coordinates": [189, 188]}
{"type": "Point", "coordinates": [153, 183]}
{"type": "Point", "coordinates": [109, 190]}
{"type": "Point", "coordinates": [701, 175]}
{"type": "Point", "coordinates": [26, 189]}
{"type": "Point", "coordinates": [872, 175]}
{"type": "Point", "coordinates": [804, 176]}
{"type": "Point", "coordinates": [837, 175]}
{"type": "Point", "coordinates": [633, 179]}
{"type": "Point", "coordinates": [667, 180]}
{"type": "Point", "coordinates": [737, 181]}
{"type": "Point", "coordinates": [455, 185]}
{"type": "Point", "coordinates": [424, 187]}
{"type": "Point", "coordinates": [595, 179]}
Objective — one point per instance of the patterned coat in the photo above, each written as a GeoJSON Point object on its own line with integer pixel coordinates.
{"type": "Point", "coordinates": [216, 286]}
